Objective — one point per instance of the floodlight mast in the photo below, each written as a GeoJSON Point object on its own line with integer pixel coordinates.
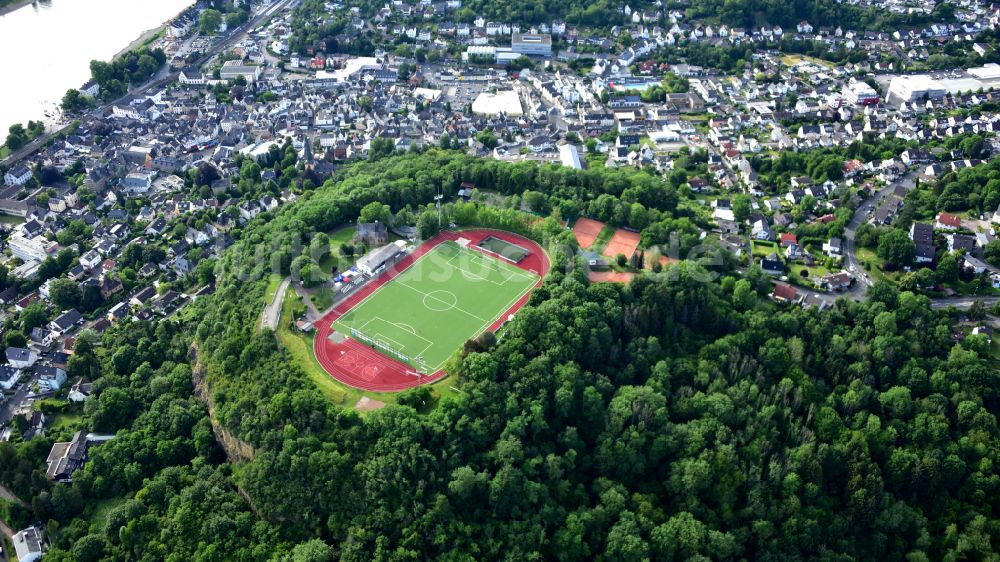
{"type": "Point", "coordinates": [437, 200]}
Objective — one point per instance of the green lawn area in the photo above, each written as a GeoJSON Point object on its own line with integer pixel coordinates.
{"type": "Point", "coordinates": [602, 239]}
{"type": "Point", "coordinates": [695, 116]}
{"type": "Point", "coordinates": [273, 282]}
{"type": "Point", "coordinates": [331, 261]}
{"type": "Point", "coordinates": [99, 512]}
{"type": "Point", "coordinates": [66, 422]}
{"type": "Point", "coordinates": [322, 298]}
{"type": "Point", "coordinates": [338, 237]}
{"type": "Point", "coordinates": [448, 296]}
{"type": "Point", "coordinates": [342, 234]}
{"type": "Point", "coordinates": [873, 265]}
{"type": "Point", "coordinates": [11, 219]}
{"type": "Point", "coordinates": [4, 151]}
{"type": "Point", "coordinates": [796, 270]}
{"type": "Point", "coordinates": [300, 346]}
{"type": "Point", "coordinates": [762, 249]}
{"type": "Point", "coordinates": [792, 60]}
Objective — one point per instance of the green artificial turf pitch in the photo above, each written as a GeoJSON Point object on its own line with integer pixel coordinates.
{"type": "Point", "coordinates": [449, 295]}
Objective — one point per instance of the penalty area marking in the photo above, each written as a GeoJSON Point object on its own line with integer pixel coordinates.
{"type": "Point", "coordinates": [406, 327]}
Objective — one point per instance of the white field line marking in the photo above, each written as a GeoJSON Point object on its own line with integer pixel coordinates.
{"type": "Point", "coordinates": [432, 297]}
{"type": "Point", "coordinates": [487, 263]}
{"type": "Point", "coordinates": [437, 249]}
{"type": "Point", "coordinates": [400, 347]}
{"type": "Point", "coordinates": [497, 265]}
{"type": "Point", "coordinates": [388, 282]}
{"type": "Point", "coordinates": [505, 309]}
{"type": "Point", "coordinates": [404, 329]}
{"type": "Point", "coordinates": [488, 323]}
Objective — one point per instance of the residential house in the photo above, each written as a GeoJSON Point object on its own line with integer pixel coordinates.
{"type": "Point", "coordinates": [372, 234]}
{"type": "Point", "coordinates": [8, 296]}
{"type": "Point", "coordinates": [838, 281]}
{"type": "Point", "coordinates": [65, 457]}
{"type": "Point", "coordinates": [18, 175]}
{"type": "Point", "coordinates": [922, 235]}
{"type": "Point", "coordinates": [793, 252]}
{"type": "Point", "coordinates": [760, 230]}
{"type": "Point", "coordinates": [772, 266]}
{"type": "Point", "coordinates": [887, 211]}
{"type": "Point", "coordinates": [8, 377]}
{"type": "Point", "coordinates": [50, 379]}
{"type": "Point", "coordinates": [948, 221]}
{"type": "Point", "coordinates": [977, 265]}
{"type": "Point", "coordinates": [833, 247]}
{"type": "Point", "coordinates": [80, 391]}
{"type": "Point", "coordinates": [66, 321]}
{"type": "Point", "coordinates": [784, 293]}
{"type": "Point", "coordinates": [21, 358]}
{"type": "Point", "coordinates": [29, 544]}
{"type": "Point", "coordinates": [90, 260]}
{"type": "Point", "coordinates": [961, 242]}
{"type": "Point", "coordinates": [142, 296]}
{"type": "Point", "coordinates": [118, 312]}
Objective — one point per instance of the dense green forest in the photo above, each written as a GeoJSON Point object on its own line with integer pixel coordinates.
{"type": "Point", "coordinates": [676, 418]}
{"type": "Point", "coordinates": [315, 27]}
{"type": "Point", "coordinates": [130, 69]}
{"type": "Point", "coordinates": [755, 13]}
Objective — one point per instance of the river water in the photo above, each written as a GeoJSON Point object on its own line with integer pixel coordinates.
{"type": "Point", "coordinates": [46, 48]}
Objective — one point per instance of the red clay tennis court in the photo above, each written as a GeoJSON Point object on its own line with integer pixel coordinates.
{"type": "Point", "coordinates": [586, 231]}
{"type": "Point", "coordinates": [623, 242]}
{"type": "Point", "coordinates": [357, 365]}
{"type": "Point", "coordinates": [610, 276]}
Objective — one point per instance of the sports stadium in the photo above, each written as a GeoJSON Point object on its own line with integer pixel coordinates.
{"type": "Point", "coordinates": [399, 329]}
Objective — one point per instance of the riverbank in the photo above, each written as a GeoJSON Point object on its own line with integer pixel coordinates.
{"type": "Point", "coordinates": [147, 37]}
{"type": "Point", "coordinates": [150, 35]}
{"type": "Point", "coordinates": [15, 5]}
{"type": "Point", "coordinates": [97, 29]}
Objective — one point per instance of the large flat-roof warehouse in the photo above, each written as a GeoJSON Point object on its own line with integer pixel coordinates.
{"type": "Point", "coordinates": [531, 44]}
{"type": "Point", "coordinates": [506, 102]}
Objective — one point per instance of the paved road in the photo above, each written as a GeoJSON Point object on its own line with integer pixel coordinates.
{"type": "Point", "coordinates": [12, 403]}
{"type": "Point", "coordinates": [272, 311]}
{"type": "Point", "coordinates": [860, 217]}
{"type": "Point", "coordinates": [4, 527]}
{"type": "Point", "coordinates": [9, 496]}
{"type": "Point", "coordinates": [312, 313]}
{"type": "Point", "coordinates": [963, 302]}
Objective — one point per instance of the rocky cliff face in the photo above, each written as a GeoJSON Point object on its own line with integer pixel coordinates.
{"type": "Point", "coordinates": [236, 449]}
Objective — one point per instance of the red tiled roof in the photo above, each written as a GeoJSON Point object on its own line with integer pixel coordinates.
{"type": "Point", "coordinates": [949, 219]}
{"type": "Point", "coordinates": [784, 292]}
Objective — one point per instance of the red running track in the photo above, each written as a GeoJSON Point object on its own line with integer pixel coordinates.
{"type": "Point", "coordinates": [357, 365]}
